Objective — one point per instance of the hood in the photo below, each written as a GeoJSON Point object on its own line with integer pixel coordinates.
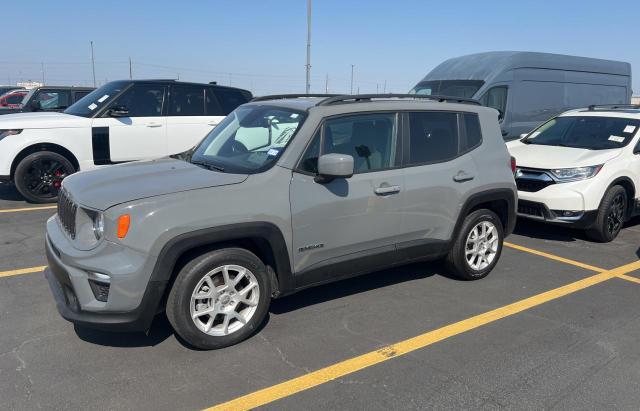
{"type": "Point", "coordinates": [549, 157]}
{"type": "Point", "coordinates": [42, 120]}
{"type": "Point", "coordinates": [109, 186]}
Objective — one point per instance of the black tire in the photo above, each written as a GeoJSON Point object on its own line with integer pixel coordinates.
{"type": "Point", "coordinates": [456, 260]}
{"type": "Point", "coordinates": [39, 176]}
{"type": "Point", "coordinates": [179, 302]}
{"type": "Point", "coordinates": [612, 214]}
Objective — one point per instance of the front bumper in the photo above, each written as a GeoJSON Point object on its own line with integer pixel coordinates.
{"type": "Point", "coordinates": [540, 211]}
{"type": "Point", "coordinates": [76, 302]}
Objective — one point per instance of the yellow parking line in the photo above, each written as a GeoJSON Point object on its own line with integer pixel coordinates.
{"type": "Point", "coordinates": [332, 372]}
{"type": "Point", "coordinates": [22, 271]}
{"type": "Point", "coordinates": [554, 257]}
{"type": "Point", "coordinates": [629, 278]}
{"type": "Point", "coordinates": [18, 210]}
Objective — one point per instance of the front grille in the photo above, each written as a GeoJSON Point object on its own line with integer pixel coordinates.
{"type": "Point", "coordinates": [67, 214]}
{"type": "Point", "coordinates": [530, 208]}
{"type": "Point", "coordinates": [532, 186]}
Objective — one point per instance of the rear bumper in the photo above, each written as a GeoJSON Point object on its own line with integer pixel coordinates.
{"type": "Point", "coordinates": [68, 305]}
{"type": "Point", "coordinates": [539, 211]}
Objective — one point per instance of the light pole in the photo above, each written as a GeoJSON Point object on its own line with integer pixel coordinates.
{"type": "Point", "coordinates": [308, 66]}
{"type": "Point", "coordinates": [352, 66]}
{"type": "Point", "coordinates": [93, 65]}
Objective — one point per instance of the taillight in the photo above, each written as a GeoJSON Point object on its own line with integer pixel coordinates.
{"type": "Point", "coordinates": [513, 165]}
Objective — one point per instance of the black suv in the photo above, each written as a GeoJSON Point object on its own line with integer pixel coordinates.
{"type": "Point", "coordinates": [49, 98]}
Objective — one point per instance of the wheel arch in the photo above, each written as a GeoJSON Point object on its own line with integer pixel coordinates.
{"type": "Point", "coordinates": [626, 183]}
{"type": "Point", "coordinates": [261, 238]}
{"type": "Point", "coordinates": [34, 148]}
{"type": "Point", "coordinates": [503, 202]}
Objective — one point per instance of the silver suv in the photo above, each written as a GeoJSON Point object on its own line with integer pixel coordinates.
{"type": "Point", "coordinates": [288, 192]}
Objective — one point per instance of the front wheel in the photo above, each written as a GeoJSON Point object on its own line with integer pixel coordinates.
{"type": "Point", "coordinates": [611, 215]}
{"type": "Point", "coordinates": [478, 246]}
{"type": "Point", "coordinates": [219, 298]}
{"type": "Point", "coordinates": [39, 176]}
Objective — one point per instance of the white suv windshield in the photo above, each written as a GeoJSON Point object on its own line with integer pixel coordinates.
{"type": "Point", "coordinates": [249, 140]}
{"type": "Point", "coordinates": [589, 132]}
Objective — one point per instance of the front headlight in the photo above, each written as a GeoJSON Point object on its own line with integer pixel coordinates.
{"type": "Point", "coordinates": [576, 173]}
{"type": "Point", "coordinates": [6, 133]}
{"type": "Point", "coordinates": [89, 227]}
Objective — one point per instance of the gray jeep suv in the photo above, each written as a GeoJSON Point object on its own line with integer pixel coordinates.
{"type": "Point", "coordinates": [288, 192]}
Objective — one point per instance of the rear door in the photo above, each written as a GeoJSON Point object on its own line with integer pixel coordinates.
{"type": "Point", "coordinates": [347, 225]}
{"type": "Point", "coordinates": [188, 122]}
{"type": "Point", "coordinates": [439, 172]}
{"type": "Point", "coordinates": [142, 134]}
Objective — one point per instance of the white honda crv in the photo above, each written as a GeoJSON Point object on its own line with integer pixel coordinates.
{"type": "Point", "coordinates": [582, 169]}
{"type": "Point", "coordinates": [121, 121]}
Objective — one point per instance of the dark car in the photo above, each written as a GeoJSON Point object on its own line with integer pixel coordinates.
{"type": "Point", "coordinates": [50, 98]}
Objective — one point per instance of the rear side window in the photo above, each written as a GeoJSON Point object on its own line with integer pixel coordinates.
{"type": "Point", "coordinates": [187, 101]}
{"type": "Point", "coordinates": [433, 137]}
{"type": "Point", "coordinates": [229, 99]}
{"type": "Point", "coordinates": [472, 128]}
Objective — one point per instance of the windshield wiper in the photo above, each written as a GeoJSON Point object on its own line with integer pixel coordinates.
{"type": "Point", "coordinates": [208, 166]}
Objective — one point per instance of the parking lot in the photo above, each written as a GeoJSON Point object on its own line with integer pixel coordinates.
{"type": "Point", "coordinates": [555, 325]}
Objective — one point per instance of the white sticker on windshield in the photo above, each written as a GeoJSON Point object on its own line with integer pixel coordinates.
{"type": "Point", "coordinates": [273, 152]}
{"type": "Point", "coordinates": [103, 98]}
{"type": "Point", "coordinates": [92, 106]}
{"type": "Point", "coordinates": [294, 115]}
{"type": "Point", "coordinates": [617, 139]}
{"type": "Point", "coordinates": [630, 129]}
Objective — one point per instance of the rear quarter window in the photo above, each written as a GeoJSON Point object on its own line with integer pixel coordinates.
{"type": "Point", "coordinates": [472, 130]}
{"type": "Point", "coordinates": [230, 99]}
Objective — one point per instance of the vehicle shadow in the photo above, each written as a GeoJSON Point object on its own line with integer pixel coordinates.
{"type": "Point", "coordinates": [356, 285]}
{"type": "Point", "coordinates": [8, 192]}
{"type": "Point", "coordinates": [161, 328]}
{"type": "Point", "coordinates": [543, 231]}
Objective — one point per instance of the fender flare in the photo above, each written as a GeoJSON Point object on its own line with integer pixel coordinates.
{"type": "Point", "coordinates": [499, 194]}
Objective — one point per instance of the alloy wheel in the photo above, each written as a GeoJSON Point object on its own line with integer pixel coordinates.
{"type": "Point", "coordinates": [44, 177]}
{"type": "Point", "coordinates": [482, 245]}
{"type": "Point", "coordinates": [615, 216]}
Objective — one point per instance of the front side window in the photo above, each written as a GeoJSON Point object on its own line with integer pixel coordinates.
{"type": "Point", "coordinates": [53, 99]}
{"type": "Point", "coordinates": [141, 100]}
{"type": "Point", "coordinates": [369, 138]}
{"type": "Point", "coordinates": [249, 140]}
{"type": "Point", "coordinates": [496, 97]}
{"type": "Point", "coordinates": [590, 132]}
{"type": "Point", "coordinates": [433, 137]}
{"type": "Point", "coordinates": [451, 88]}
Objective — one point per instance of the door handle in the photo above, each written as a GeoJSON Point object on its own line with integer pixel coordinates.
{"type": "Point", "coordinates": [212, 123]}
{"type": "Point", "coordinates": [463, 176]}
{"type": "Point", "coordinates": [386, 189]}
{"type": "Point", "coordinates": [154, 125]}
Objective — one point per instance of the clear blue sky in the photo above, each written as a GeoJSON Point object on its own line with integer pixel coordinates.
{"type": "Point", "coordinates": [260, 44]}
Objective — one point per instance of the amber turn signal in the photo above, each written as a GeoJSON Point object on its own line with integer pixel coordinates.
{"type": "Point", "coordinates": [123, 225]}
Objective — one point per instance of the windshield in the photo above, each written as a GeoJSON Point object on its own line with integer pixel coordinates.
{"type": "Point", "coordinates": [249, 140]}
{"type": "Point", "coordinates": [90, 104]}
{"type": "Point", "coordinates": [593, 133]}
{"type": "Point", "coordinates": [452, 88]}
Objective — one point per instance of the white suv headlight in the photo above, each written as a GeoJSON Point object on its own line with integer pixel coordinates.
{"type": "Point", "coordinates": [576, 173]}
{"type": "Point", "coordinates": [89, 227]}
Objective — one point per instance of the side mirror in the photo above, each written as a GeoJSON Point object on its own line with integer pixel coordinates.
{"type": "Point", "coordinates": [118, 111]}
{"type": "Point", "coordinates": [332, 166]}
{"type": "Point", "coordinates": [35, 105]}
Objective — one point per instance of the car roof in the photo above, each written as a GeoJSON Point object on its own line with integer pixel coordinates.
{"type": "Point", "coordinates": [336, 104]}
{"type": "Point", "coordinates": [173, 81]}
{"type": "Point", "coordinates": [611, 110]}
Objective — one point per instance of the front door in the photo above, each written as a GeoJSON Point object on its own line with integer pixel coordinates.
{"type": "Point", "coordinates": [139, 135]}
{"type": "Point", "coordinates": [347, 226]}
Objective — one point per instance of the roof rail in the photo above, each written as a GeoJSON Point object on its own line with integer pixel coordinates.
{"type": "Point", "coordinates": [594, 107]}
{"type": "Point", "coordinates": [285, 96]}
{"type": "Point", "coordinates": [361, 97]}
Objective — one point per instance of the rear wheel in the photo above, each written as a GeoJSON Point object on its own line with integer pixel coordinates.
{"type": "Point", "coordinates": [39, 176]}
{"type": "Point", "coordinates": [478, 246]}
{"type": "Point", "coordinates": [219, 298]}
{"type": "Point", "coordinates": [611, 215]}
